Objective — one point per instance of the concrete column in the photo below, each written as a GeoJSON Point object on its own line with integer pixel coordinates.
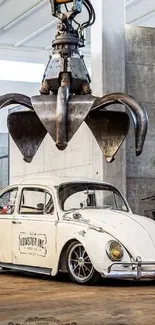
{"type": "Point", "coordinates": [108, 75]}
{"type": "Point", "coordinates": [140, 71]}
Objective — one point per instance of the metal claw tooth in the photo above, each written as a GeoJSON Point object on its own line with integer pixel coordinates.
{"type": "Point", "coordinates": [14, 98]}
{"type": "Point", "coordinates": [110, 130]}
{"type": "Point", "coordinates": [137, 111]}
{"type": "Point", "coordinates": [27, 159]}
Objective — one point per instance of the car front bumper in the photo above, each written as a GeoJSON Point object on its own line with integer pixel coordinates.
{"type": "Point", "coordinates": [135, 270]}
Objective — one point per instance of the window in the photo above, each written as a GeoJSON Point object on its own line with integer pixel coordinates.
{"type": "Point", "coordinates": [36, 201]}
{"type": "Point", "coordinates": [89, 196]}
{"type": "Point", "coordinates": [7, 201]}
{"type": "Point", "coordinates": [21, 71]}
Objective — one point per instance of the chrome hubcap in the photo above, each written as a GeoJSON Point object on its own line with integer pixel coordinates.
{"type": "Point", "coordinates": [79, 263]}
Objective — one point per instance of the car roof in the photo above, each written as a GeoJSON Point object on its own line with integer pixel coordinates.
{"type": "Point", "coordinates": [56, 180]}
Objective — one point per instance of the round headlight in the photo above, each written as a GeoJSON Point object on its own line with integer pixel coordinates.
{"type": "Point", "coordinates": [114, 250]}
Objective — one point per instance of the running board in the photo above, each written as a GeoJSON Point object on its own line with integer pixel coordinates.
{"type": "Point", "coordinates": [31, 269]}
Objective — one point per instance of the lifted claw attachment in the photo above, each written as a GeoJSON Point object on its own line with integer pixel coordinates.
{"type": "Point", "coordinates": [65, 99]}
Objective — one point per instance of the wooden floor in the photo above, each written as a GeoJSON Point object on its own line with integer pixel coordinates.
{"type": "Point", "coordinates": [22, 298]}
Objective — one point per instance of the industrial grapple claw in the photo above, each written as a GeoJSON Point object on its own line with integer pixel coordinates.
{"type": "Point", "coordinates": [65, 99]}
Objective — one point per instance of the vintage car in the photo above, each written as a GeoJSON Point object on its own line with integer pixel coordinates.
{"type": "Point", "coordinates": [80, 226]}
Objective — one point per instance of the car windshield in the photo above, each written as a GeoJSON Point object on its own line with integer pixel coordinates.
{"type": "Point", "coordinates": [90, 196]}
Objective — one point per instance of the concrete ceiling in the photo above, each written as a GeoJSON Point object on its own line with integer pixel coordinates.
{"type": "Point", "coordinates": [27, 27]}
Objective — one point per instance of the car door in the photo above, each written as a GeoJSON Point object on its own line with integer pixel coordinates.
{"type": "Point", "coordinates": [8, 204]}
{"type": "Point", "coordinates": [34, 231]}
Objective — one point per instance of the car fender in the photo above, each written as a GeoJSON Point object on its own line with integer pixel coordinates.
{"type": "Point", "coordinates": [94, 241]}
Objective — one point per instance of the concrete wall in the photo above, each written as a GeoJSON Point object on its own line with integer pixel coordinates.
{"type": "Point", "coordinates": [76, 160]}
{"type": "Point", "coordinates": [140, 82]}
{"type": "Point", "coordinates": [3, 144]}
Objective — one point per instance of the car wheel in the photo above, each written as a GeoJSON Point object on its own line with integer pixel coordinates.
{"type": "Point", "coordinates": [79, 266]}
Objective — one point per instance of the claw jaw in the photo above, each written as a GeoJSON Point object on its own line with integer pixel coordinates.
{"type": "Point", "coordinates": [61, 115]}
{"type": "Point", "coordinates": [136, 111]}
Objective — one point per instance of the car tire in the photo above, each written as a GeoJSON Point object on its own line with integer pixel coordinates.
{"type": "Point", "coordinates": [79, 266]}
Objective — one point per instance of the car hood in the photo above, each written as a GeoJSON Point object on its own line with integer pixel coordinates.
{"type": "Point", "coordinates": [135, 232]}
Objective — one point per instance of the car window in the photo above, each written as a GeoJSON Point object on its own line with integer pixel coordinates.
{"type": "Point", "coordinates": [7, 201]}
{"type": "Point", "coordinates": [90, 195]}
{"type": "Point", "coordinates": [80, 199]}
{"type": "Point", "coordinates": [119, 204]}
{"type": "Point", "coordinates": [36, 201]}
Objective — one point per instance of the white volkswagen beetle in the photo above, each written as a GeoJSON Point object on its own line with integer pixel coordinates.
{"type": "Point", "coordinates": [83, 227]}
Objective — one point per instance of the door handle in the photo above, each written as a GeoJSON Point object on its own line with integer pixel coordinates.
{"type": "Point", "coordinates": [16, 222]}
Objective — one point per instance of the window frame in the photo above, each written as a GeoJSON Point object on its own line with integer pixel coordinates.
{"type": "Point", "coordinates": [10, 189]}
{"type": "Point", "coordinates": [42, 189]}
